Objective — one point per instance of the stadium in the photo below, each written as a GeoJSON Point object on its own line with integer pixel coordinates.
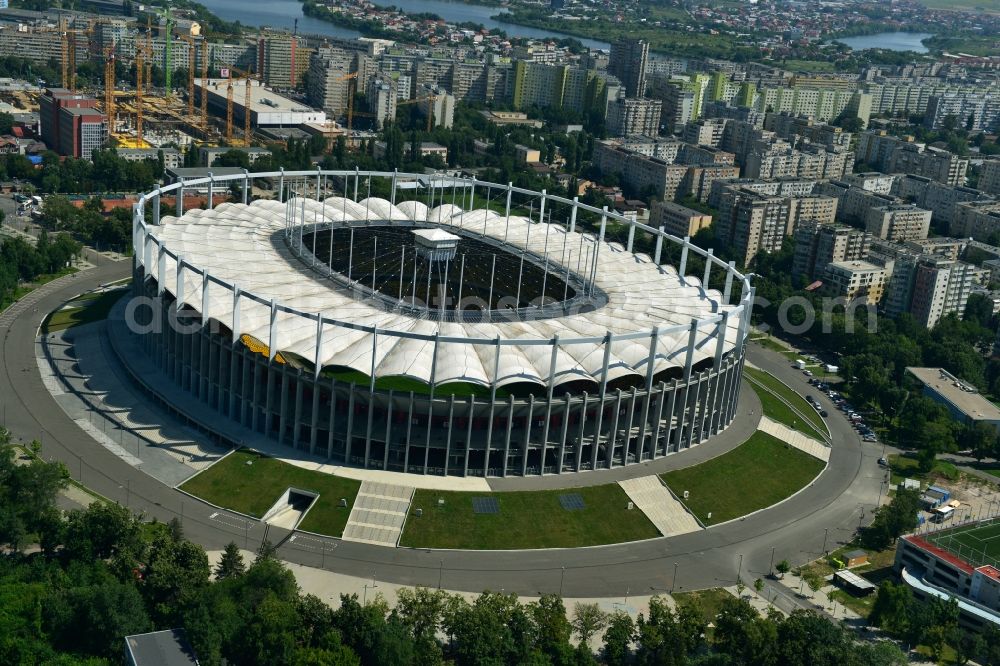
{"type": "Point", "coordinates": [436, 324]}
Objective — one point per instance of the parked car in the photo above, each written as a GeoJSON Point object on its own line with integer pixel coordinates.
{"type": "Point", "coordinates": [809, 398]}
{"type": "Point", "coordinates": [808, 373]}
{"type": "Point", "coordinates": [883, 462]}
{"type": "Point", "coordinates": [823, 413]}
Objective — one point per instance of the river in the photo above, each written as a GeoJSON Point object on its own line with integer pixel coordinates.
{"type": "Point", "coordinates": [282, 14]}
{"type": "Point", "coordinates": [893, 41]}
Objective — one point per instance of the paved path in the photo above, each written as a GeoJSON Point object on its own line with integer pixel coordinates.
{"type": "Point", "coordinates": [795, 438]}
{"type": "Point", "coordinates": [378, 514]}
{"type": "Point", "coordinates": [707, 558]}
{"type": "Point", "coordinates": [666, 513]}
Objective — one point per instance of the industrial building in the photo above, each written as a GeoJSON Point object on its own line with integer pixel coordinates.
{"type": "Point", "coordinates": [267, 108]}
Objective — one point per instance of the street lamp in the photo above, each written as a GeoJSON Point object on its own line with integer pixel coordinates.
{"type": "Point", "coordinates": [826, 532]}
{"type": "Point", "coordinates": [770, 569]}
{"type": "Point", "coordinates": [673, 581]}
{"type": "Point", "coordinates": [739, 570]}
{"type": "Point", "coordinates": [562, 576]}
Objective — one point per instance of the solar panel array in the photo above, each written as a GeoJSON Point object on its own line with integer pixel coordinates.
{"type": "Point", "coordinates": [572, 502]}
{"type": "Point", "coordinates": [485, 505]}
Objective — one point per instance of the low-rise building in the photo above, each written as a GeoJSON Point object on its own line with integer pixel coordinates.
{"type": "Point", "coordinates": [966, 404]}
{"type": "Point", "coordinates": [677, 219]}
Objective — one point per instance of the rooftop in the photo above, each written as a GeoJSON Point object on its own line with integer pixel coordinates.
{"type": "Point", "coordinates": [962, 396]}
{"type": "Point", "coordinates": [262, 99]}
{"type": "Point", "coordinates": [161, 648]}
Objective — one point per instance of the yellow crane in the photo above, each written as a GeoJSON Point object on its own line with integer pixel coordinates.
{"type": "Point", "coordinates": [68, 39]}
{"type": "Point", "coordinates": [430, 107]}
{"type": "Point", "coordinates": [204, 85]}
{"type": "Point", "coordinates": [191, 64]}
{"type": "Point", "coordinates": [139, 56]}
{"type": "Point", "coordinates": [248, 78]}
{"type": "Point", "coordinates": [352, 82]}
{"type": "Point", "coordinates": [109, 89]}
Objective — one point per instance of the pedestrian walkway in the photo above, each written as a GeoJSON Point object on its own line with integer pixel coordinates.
{"type": "Point", "coordinates": [378, 514]}
{"type": "Point", "coordinates": [795, 438]}
{"type": "Point", "coordinates": [666, 513]}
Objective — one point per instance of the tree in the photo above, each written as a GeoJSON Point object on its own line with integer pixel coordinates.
{"type": "Point", "coordinates": [891, 610]}
{"type": "Point", "coordinates": [27, 497]}
{"type": "Point", "coordinates": [618, 639]}
{"type": "Point", "coordinates": [895, 518]}
{"type": "Point", "coordinates": [552, 630]}
{"type": "Point", "coordinates": [588, 621]}
{"type": "Point", "coordinates": [743, 635]}
{"type": "Point", "coordinates": [782, 568]}
{"type": "Point", "coordinates": [231, 563]}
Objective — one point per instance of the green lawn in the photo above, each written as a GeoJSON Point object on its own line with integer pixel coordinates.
{"type": "Point", "coordinates": [905, 466]}
{"type": "Point", "coordinates": [707, 602]}
{"type": "Point", "coordinates": [84, 309]}
{"type": "Point", "coordinates": [780, 412]}
{"type": "Point", "coordinates": [28, 287]}
{"type": "Point", "coordinates": [774, 385]}
{"type": "Point", "coordinates": [760, 472]}
{"type": "Point", "coordinates": [252, 489]}
{"type": "Point", "coordinates": [772, 344]}
{"type": "Point", "coordinates": [526, 520]}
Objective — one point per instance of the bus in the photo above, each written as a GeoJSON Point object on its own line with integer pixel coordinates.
{"type": "Point", "coordinates": [942, 514]}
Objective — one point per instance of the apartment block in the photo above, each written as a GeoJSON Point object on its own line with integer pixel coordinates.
{"type": "Point", "coordinates": [562, 86]}
{"type": "Point", "coordinates": [381, 97]}
{"type": "Point", "coordinates": [750, 222]}
{"type": "Point", "coordinates": [976, 111]}
{"type": "Point", "coordinates": [629, 116]}
{"type": "Point", "coordinates": [937, 197]}
{"type": "Point", "coordinates": [818, 244]}
{"type": "Point", "coordinates": [627, 62]}
{"type": "Point", "coordinates": [898, 222]}
{"type": "Point", "coordinates": [676, 219]}
{"type": "Point", "coordinates": [892, 154]}
{"type": "Point", "coordinates": [792, 128]}
{"type": "Point", "coordinates": [704, 132]}
{"type": "Point", "coordinates": [989, 176]}
{"type": "Point", "coordinates": [976, 219]}
{"type": "Point", "coordinates": [855, 279]}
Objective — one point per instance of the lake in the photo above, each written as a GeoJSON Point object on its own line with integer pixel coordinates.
{"type": "Point", "coordinates": [893, 41]}
{"type": "Point", "coordinates": [282, 14]}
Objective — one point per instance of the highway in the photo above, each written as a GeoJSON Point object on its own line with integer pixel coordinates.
{"type": "Point", "coordinates": [827, 512]}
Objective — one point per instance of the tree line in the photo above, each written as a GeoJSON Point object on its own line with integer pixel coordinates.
{"type": "Point", "coordinates": [22, 261]}
{"type": "Point", "coordinates": [101, 573]}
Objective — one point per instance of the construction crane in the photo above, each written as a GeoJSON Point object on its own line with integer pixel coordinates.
{"type": "Point", "coordinates": [430, 107]}
{"type": "Point", "coordinates": [109, 89]}
{"type": "Point", "coordinates": [139, 54]}
{"type": "Point", "coordinates": [352, 82]}
{"type": "Point", "coordinates": [149, 50]}
{"type": "Point", "coordinates": [191, 54]}
{"type": "Point", "coordinates": [204, 85]}
{"type": "Point", "coordinates": [68, 39]}
{"type": "Point", "coordinates": [167, 60]}
{"type": "Point", "coordinates": [248, 78]}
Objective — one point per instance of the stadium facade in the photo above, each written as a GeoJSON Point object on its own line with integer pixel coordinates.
{"type": "Point", "coordinates": [449, 326]}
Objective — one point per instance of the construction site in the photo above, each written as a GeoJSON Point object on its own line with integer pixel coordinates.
{"type": "Point", "coordinates": [223, 110]}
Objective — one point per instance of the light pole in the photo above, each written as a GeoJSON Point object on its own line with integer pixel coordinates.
{"type": "Point", "coordinates": [826, 532]}
{"type": "Point", "coordinates": [440, 572]}
{"type": "Point", "coordinates": [673, 581]}
{"type": "Point", "coordinates": [562, 577]}
{"type": "Point", "coordinates": [770, 569]}
{"type": "Point", "coordinates": [739, 570]}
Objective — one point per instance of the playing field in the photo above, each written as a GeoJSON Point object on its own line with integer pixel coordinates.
{"type": "Point", "coordinates": [978, 543]}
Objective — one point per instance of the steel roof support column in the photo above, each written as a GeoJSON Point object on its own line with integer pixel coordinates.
{"type": "Point", "coordinates": [613, 434]}
{"type": "Point", "coordinates": [572, 214]}
{"type": "Point", "coordinates": [548, 401]}
{"type": "Point", "coordinates": [659, 248]}
{"type": "Point", "coordinates": [682, 266]}
{"type": "Point", "coordinates": [650, 371]}
{"type": "Point", "coordinates": [179, 283]}
{"type": "Point", "coordinates": [388, 430]}
{"type": "Point", "coordinates": [562, 436]}
{"type": "Point", "coordinates": [580, 433]}
{"type": "Point", "coordinates": [506, 443]}
{"type": "Point", "coordinates": [526, 441]}
{"type": "Point", "coordinates": [246, 186]}
{"type": "Point", "coordinates": [510, 191]}
{"type": "Point", "coordinates": [728, 292]}
{"type": "Point", "coordinates": [204, 298]}
{"type": "Point", "coordinates": [447, 441]}
{"type": "Point", "coordinates": [357, 176]}
{"type": "Point", "coordinates": [281, 185]}
{"type": "Point", "coordinates": [211, 190]}
{"type": "Point", "coordinates": [234, 332]}
{"type": "Point", "coordinates": [631, 234]}
{"type": "Point", "coordinates": [493, 401]}
{"type": "Point", "coordinates": [156, 207]}
{"type": "Point", "coordinates": [371, 399]}
{"type": "Point", "coordinates": [392, 201]}
{"type": "Point", "coordinates": [332, 418]}
{"type": "Point", "coordinates": [430, 401]}
{"type": "Point", "coordinates": [600, 399]}
{"type": "Point", "coordinates": [708, 269]}
{"type": "Point", "coordinates": [179, 199]}
{"type": "Point", "coordinates": [468, 434]}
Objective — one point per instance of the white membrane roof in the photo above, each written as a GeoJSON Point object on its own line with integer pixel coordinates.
{"type": "Point", "coordinates": [245, 245]}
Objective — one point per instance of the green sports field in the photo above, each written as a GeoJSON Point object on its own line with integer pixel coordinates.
{"type": "Point", "coordinates": [978, 543]}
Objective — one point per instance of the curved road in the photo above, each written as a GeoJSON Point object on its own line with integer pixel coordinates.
{"type": "Point", "coordinates": [827, 511]}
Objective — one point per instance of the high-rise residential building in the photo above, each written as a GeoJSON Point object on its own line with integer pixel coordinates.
{"type": "Point", "coordinates": [634, 116]}
{"type": "Point", "coordinates": [989, 176]}
{"type": "Point", "coordinates": [855, 280]}
{"type": "Point", "coordinates": [439, 104]}
{"type": "Point", "coordinates": [678, 107]}
{"type": "Point", "coordinates": [381, 98]}
{"type": "Point", "coordinates": [628, 63]}
{"type": "Point", "coordinates": [936, 197]}
{"type": "Point", "coordinates": [818, 244]}
{"type": "Point", "coordinates": [282, 59]}
{"type": "Point", "coordinates": [562, 87]}
{"type": "Point", "coordinates": [898, 222]}
{"type": "Point", "coordinates": [976, 219]}
{"type": "Point", "coordinates": [892, 154]}
{"type": "Point", "coordinates": [976, 111]}
{"type": "Point", "coordinates": [926, 285]}
{"type": "Point", "coordinates": [330, 82]}
{"type": "Point", "coordinates": [750, 222]}
{"type": "Point", "coordinates": [704, 132]}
